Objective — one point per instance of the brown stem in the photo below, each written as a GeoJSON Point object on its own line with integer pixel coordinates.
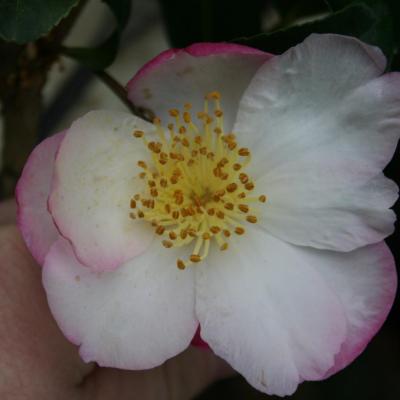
{"type": "Point", "coordinates": [20, 91]}
{"type": "Point", "coordinates": [121, 93]}
{"type": "Point", "coordinates": [23, 73]}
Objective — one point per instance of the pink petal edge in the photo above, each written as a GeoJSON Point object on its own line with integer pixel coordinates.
{"type": "Point", "coordinates": [31, 195]}
{"type": "Point", "coordinates": [196, 50]}
{"type": "Point", "coordinates": [350, 351]}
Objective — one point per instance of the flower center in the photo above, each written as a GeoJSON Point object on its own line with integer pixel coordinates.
{"type": "Point", "coordinates": [196, 189]}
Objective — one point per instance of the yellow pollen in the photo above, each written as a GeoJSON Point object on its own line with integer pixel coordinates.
{"type": "Point", "coordinates": [243, 208]}
{"type": "Point", "coordinates": [167, 244]}
{"type": "Point", "coordinates": [262, 198]}
{"type": "Point", "coordinates": [195, 186]}
{"type": "Point", "coordinates": [195, 258]}
{"type": "Point", "coordinates": [138, 134]}
{"type": "Point", "coordinates": [244, 152]}
{"type": "Point", "coordinates": [239, 230]}
{"type": "Point", "coordinates": [251, 218]}
{"type": "Point", "coordinates": [174, 112]}
{"type": "Point", "coordinates": [226, 233]}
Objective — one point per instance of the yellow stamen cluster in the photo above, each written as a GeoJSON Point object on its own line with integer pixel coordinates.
{"type": "Point", "coordinates": [196, 188]}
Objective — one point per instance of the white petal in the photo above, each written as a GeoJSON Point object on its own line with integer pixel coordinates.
{"type": "Point", "coordinates": [95, 178]}
{"type": "Point", "coordinates": [135, 317]}
{"type": "Point", "coordinates": [322, 123]}
{"type": "Point", "coordinates": [293, 96]}
{"type": "Point", "coordinates": [34, 220]}
{"type": "Point", "coordinates": [269, 313]}
{"type": "Point", "coordinates": [176, 77]}
{"type": "Point", "coordinates": [323, 214]}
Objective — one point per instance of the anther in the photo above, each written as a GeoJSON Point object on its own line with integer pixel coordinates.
{"type": "Point", "coordinates": [195, 258]}
{"type": "Point", "coordinates": [243, 178]}
{"type": "Point", "coordinates": [244, 151]}
{"type": "Point", "coordinates": [191, 232]}
{"type": "Point", "coordinates": [239, 230]}
{"type": "Point", "coordinates": [236, 166]}
{"type": "Point", "coordinates": [262, 198]}
{"type": "Point", "coordinates": [213, 96]}
{"type": "Point", "coordinates": [167, 244]}
{"type": "Point", "coordinates": [173, 112]}
{"type": "Point", "coordinates": [231, 187]}
{"type": "Point", "coordinates": [163, 182]}
{"type": "Point", "coordinates": [138, 134]}
{"type": "Point", "coordinates": [251, 218]}
{"type": "Point", "coordinates": [220, 214]}
{"type": "Point", "coordinates": [229, 206]}
{"type": "Point", "coordinates": [160, 230]}
{"type": "Point", "coordinates": [180, 264]}
{"type": "Point", "coordinates": [215, 229]}
{"type": "Point", "coordinates": [243, 208]}
{"type": "Point", "coordinates": [133, 203]}
{"type": "Point", "coordinates": [172, 235]}
{"type": "Point", "coordinates": [249, 186]}
{"type": "Point", "coordinates": [226, 233]}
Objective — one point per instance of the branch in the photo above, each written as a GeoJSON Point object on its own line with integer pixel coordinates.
{"type": "Point", "coordinates": [121, 93]}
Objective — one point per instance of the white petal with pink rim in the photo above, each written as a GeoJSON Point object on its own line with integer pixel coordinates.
{"type": "Point", "coordinates": [323, 124]}
{"type": "Point", "coordinates": [178, 76]}
{"type": "Point", "coordinates": [93, 181]}
{"type": "Point", "coordinates": [135, 317]}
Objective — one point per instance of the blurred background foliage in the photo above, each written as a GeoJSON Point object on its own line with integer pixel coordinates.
{"type": "Point", "coordinates": [33, 40]}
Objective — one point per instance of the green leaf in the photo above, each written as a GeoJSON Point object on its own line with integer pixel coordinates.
{"type": "Point", "coordinates": [336, 5]}
{"type": "Point", "coordinates": [95, 58]}
{"type": "Point", "coordinates": [382, 33]}
{"type": "Point", "coordinates": [194, 21]}
{"type": "Point", "coordinates": [354, 20]}
{"type": "Point", "coordinates": [100, 57]}
{"type": "Point", "coordinates": [24, 21]}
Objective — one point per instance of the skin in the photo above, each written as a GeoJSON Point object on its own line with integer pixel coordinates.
{"type": "Point", "coordinates": [37, 362]}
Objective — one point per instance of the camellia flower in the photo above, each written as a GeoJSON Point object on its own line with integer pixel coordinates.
{"type": "Point", "coordinates": [254, 207]}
